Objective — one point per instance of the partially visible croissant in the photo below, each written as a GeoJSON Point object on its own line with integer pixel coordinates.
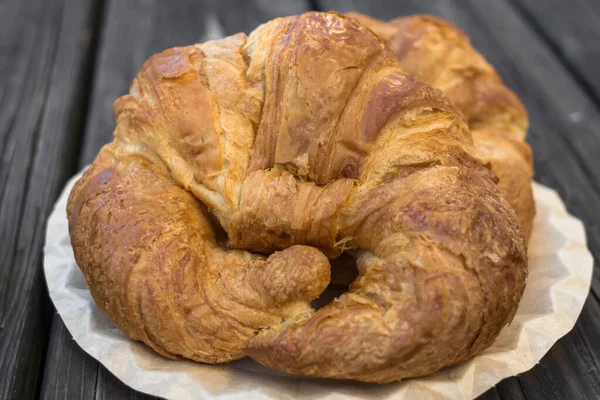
{"type": "Point", "coordinates": [305, 135]}
{"type": "Point", "coordinates": [440, 54]}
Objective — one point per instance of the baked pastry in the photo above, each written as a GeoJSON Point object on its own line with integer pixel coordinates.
{"type": "Point", "coordinates": [240, 165]}
{"type": "Point", "coordinates": [440, 54]}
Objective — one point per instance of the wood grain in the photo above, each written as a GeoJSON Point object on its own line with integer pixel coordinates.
{"type": "Point", "coordinates": [571, 369]}
{"type": "Point", "coordinates": [571, 28]}
{"type": "Point", "coordinates": [133, 31]}
{"type": "Point", "coordinates": [44, 61]}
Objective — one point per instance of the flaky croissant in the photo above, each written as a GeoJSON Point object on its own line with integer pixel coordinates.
{"type": "Point", "coordinates": [440, 54]}
{"type": "Point", "coordinates": [300, 140]}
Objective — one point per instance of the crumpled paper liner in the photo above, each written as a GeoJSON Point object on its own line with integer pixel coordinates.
{"type": "Point", "coordinates": [560, 271]}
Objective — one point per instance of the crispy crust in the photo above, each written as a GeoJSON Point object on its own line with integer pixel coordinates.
{"type": "Point", "coordinates": [298, 140]}
{"type": "Point", "coordinates": [440, 54]}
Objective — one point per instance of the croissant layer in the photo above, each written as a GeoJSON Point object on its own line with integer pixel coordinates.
{"type": "Point", "coordinates": [240, 167]}
{"type": "Point", "coordinates": [440, 54]}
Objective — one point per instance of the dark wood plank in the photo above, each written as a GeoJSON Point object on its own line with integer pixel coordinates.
{"type": "Point", "coordinates": [43, 64]}
{"type": "Point", "coordinates": [133, 31]}
{"type": "Point", "coordinates": [571, 369]}
{"type": "Point", "coordinates": [72, 374]}
{"type": "Point", "coordinates": [564, 136]}
{"type": "Point", "coordinates": [509, 388]}
{"type": "Point", "coordinates": [65, 372]}
{"type": "Point", "coordinates": [572, 29]}
{"type": "Point", "coordinates": [491, 394]}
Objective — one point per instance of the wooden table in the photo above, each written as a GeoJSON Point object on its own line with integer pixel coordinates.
{"type": "Point", "coordinates": [64, 62]}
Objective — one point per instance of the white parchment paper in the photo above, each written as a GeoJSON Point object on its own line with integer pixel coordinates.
{"type": "Point", "coordinates": [560, 271]}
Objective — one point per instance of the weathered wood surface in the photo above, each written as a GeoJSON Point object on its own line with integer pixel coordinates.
{"type": "Point", "coordinates": [572, 30]}
{"type": "Point", "coordinates": [61, 58]}
{"type": "Point", "coordinates": [44, 64]}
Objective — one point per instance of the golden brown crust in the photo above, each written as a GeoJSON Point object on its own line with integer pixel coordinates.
{"type": "Point", "coordinates": [148, 253]}
{"type": "Point", "coordinates": [440, 54]}
{"type": "Point", "coordinates": [303, 139]}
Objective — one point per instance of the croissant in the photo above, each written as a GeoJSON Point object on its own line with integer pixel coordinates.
{"type": "Point", "coordinates": [240, 166]}
{"type": "Point", "coordinates": [440, 54]}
